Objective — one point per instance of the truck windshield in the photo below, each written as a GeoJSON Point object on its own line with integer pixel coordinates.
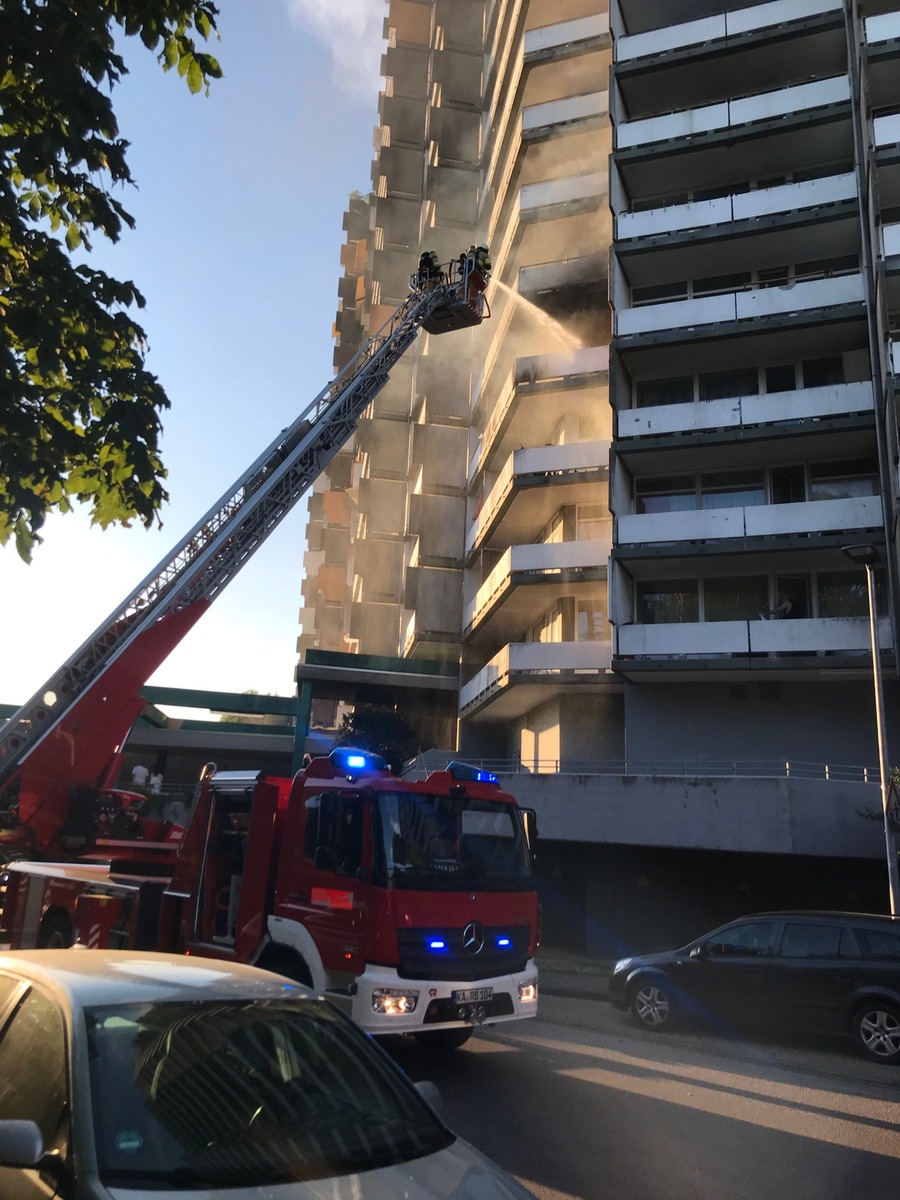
{"type": "Point", "coordinates": [433, 842]}
{"type": "Point", "coordinates": [245, 1094]}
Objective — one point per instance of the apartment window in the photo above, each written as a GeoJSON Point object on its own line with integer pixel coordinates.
{"type": "Point", "coordinates": [590, 622]}
{"type": "Point", "coordinates": [650, 393]}
{"type": "Point", "coordinates": [554, 530]}
{"type": "Point", "coordinates": [591, 522]}
{"type": "Point", "coordinates": [724, 385]}
{"type": "Point", "coordinates": [822, 372]}
{"type": "Point", "coordinates": [658, 292]}
{"type": "Point", "coordinates": [677, 493]}
{"type": "Point", "coordinates": [732, 489]}
{"type": "Point", "coordinates": [787, 484]}
{"type": "Point", "coordinates": [773, 277]}
{"type": "Point", "coordinates": [717, 285]}
{"type": "Point", "coordinates": [843, 480]}
{"type": "Point", "coordinates": [661, 602]}
{"type": "Point", "coordinates": [735, 599]}
{"type": "Point", "coordinates": [550, 626]}
{"type": "Point", "coordinates": [824, 268]}
{"type": "Point", "coordinates": [781, 378]}
{"type": "Point", "coordinates": [845, 594]}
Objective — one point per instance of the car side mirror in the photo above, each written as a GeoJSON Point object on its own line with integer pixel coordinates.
{"type": "Point", "coordinates": [430, 1093]}
{"type": "Point", "coordinates": [21, 1144]}
{"type": "Point", "coordinates": [699, 951]}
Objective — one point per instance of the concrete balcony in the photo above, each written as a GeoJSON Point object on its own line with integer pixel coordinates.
{"type": "Point", "coordinates": [586, 271]}
{"type": "Point", "coordinates": [726, 210]}
{"type": "Point", "coordinates": [895, 357]}
{"type": "Point", "coordinates": [575, 369]}
{"type": "Point", "coordinates": [556, 196]}
{"type": "Point", "coordinates": [532, 486]}
{"type": "Point", "coordinates": [890, 236]}
{"type": "Point", "coordinates": [526, 579]}
{"type": "Point", "coordinates": [760, 521]}
{"type": "Point", "coordinates": [552, 116]}
{"type": "Point", "coordinates": [566, 37]}
{"type": "Point", "coordinates": [732, 114]}
{"type": "Point", "coordinates": [729, 639]}
{"type": "Point", "coordinates": [722, 25]}
{"type": "Point", "coordinates": [525, 673]}
{"type": "Point", "coordinates": [807, 404]}
{"type": "Point", "coordinates": [748, 305]}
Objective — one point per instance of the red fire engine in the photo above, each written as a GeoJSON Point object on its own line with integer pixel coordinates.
{"type": "Point", "coordinates": [429, 926]}
{"type": "Point", "coordinates": [410, 904]}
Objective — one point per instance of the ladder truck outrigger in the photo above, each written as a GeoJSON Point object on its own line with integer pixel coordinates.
{"type": "Point", "coordinates": [410, 903]}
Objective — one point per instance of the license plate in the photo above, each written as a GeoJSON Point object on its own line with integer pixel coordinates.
{"type": "Point", "coordinates": [472, 995]}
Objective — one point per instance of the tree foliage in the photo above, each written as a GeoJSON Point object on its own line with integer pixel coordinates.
{"type": "Point", "coordinates": [379, 728]}
{"type": "Point", "coordinates": [79, 412]}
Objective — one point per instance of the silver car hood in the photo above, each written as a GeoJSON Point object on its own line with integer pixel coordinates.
{"type": "Point", "coordinates": [459, 1172]}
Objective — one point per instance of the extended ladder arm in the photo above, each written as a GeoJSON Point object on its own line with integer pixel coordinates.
{"type": "Point", "coordinates": [89, 704]}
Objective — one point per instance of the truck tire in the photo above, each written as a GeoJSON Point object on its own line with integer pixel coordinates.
{"type": "Point", "coordinates": [441, 1041]}
{"type": "Point", "coordinates": [55, 933]}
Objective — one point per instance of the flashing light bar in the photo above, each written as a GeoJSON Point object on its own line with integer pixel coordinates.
{"type": "Point", "coordinates": [437, 944]}
{"type": "Point", "coordinates": [504, 942]}
{"type": "Point", "coordinates": [353, 761]}
{"type": "Point", "coordinates": [464, 772]}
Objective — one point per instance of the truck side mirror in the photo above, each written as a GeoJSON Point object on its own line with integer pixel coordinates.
{"type": "Point", "coordinates": [324, 858]}
{"type": "Point", "coordinates": [529, 821]}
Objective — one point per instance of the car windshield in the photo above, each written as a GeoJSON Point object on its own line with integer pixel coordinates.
{"type": "Point", "coordinates": [430, 842]}
{"type": "Point", "coordinates": [246, 1094]}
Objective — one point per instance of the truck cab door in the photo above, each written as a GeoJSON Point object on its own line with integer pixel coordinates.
{"type": "Point", "coordinates": [332, 881]}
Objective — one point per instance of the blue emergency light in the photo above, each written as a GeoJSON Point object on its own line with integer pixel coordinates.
{"type": "Point", "coordinates": [437, 944]}
{"type": "Point", "coordinates": [504, 942]}
{"type": "Point", "coordinates": [463, 771]}
{"type": "Point", "coordinates": [352, 761]}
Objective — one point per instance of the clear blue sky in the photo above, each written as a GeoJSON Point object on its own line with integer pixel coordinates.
{"type": "Point", "coordinates": [237, 250]}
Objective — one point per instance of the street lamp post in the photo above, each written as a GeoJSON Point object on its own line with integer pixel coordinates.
{"type": "Point", "coordinates": [867, 556]}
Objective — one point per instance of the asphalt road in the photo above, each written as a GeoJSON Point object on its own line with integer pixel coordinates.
{"type": "Point", "coordinates": [579, 1104]}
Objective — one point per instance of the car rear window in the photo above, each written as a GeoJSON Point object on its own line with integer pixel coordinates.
{"type": "Point", "coordinates": [877, 943]}
{"type": "Point", "coordinates": [815, 941]}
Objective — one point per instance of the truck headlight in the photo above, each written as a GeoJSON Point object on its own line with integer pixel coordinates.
{"type": "Point", "coordinates": [528, 991]}
{"type": "Point", "coordinates": [393, 1001]}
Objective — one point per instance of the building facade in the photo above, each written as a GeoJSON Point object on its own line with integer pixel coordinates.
{"type": "Point", "coordinates": [621, 506]}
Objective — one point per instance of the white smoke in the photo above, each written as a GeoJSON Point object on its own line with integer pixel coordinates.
{"type": "Point", "coordinates": [352, 30]}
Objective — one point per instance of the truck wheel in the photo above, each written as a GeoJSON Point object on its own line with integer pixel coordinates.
{"type": "Point", "coordinates": [442, 1040]}
{"type": "Point", "coordinates": [290, 966]}
{"type": "Point", "coordinates": [55, 934]}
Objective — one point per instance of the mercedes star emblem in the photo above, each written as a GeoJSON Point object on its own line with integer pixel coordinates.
{"type": "Point", "coordinates": [473, 938]}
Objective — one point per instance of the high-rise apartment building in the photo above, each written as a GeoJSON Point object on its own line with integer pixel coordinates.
{"type": "Point", "coordinates": [621, 505]}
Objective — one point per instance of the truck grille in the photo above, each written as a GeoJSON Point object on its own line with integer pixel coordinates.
{"type": "Point", "coordinates": [419, 961]}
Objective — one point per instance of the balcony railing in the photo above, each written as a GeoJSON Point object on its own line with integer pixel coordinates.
{"type": "Point", "coordinates": [745, 206]}
{"type": "Point", "coordinates": [437, 760]}
{"type": "Point", "coordinates": [563, 112]}
{"type": "Point", "coordinates": [539, 562]}
{"type": "Point", "coordinates": [570, 190]}
{"type": "Point", "coordinates": [737, 412]}
{"type": "Point", "coordinates": [725, 639]}
{"type": "Point", "coordinates": [730, 114]}
{"type": "Point", "coordinates": [742, 306]}
{"type": "Point", "coordinates": [556, 462]}
{"type": "Point", "coordinates": [565, 272]}
{"type": "Point", "coordinates": [728, 24]}
{"type": "Point", "coordinates": [551, 38]}
{"type": "Point", "coordinates": [763, 520]}
{"type": "Point", "coordinates": [547, 660]}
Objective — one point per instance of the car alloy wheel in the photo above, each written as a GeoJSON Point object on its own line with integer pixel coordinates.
{"type": "Point", "coordinates": [650, 1005]}
{"type": "Point", "coordinates": [876, 1029]}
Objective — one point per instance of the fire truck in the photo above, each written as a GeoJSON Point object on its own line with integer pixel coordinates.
{"type": "Point", "coordinates": [411, 905]}
{"type": "Point", "coordinates": [429, 927]}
